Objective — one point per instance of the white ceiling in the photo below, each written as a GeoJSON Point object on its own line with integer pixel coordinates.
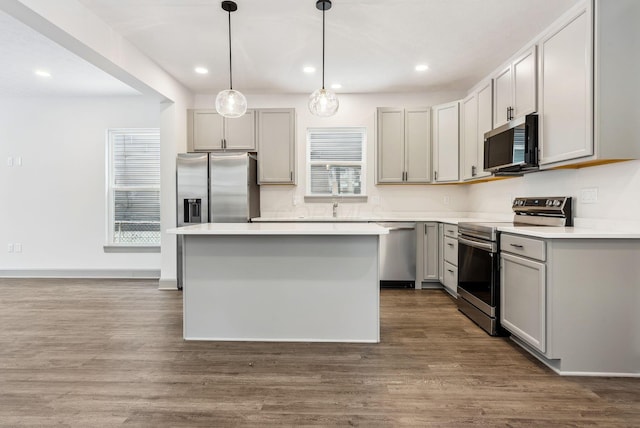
{"type": "Point", "coordinates": [371, 45]}
{"type": "Point", "coordinates": [23, 51]}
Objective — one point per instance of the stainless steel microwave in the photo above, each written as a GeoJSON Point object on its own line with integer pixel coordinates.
{"type": "Point", "coordinates": [512, 148]}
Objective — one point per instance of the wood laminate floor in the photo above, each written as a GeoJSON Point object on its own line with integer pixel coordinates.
{"type": "Point", "coordinates": [96, 353]}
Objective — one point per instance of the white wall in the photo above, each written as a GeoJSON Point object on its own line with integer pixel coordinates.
{"type": "Point", "coordinates": [617, 184]}
{"type": "Point", "coordinates": [54, 204]}
{"type": "Point", "coordinates": [355, 110]}
{"type": "Point", "coordinates": [70, 24]}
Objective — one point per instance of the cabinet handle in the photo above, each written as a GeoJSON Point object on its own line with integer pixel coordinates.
{"type": "Point", "coordinates": [291, 175]}
{"type": "Point", "coordinates": [473, 170]}
{"type": "Point", "coordinates": [517, 245]}
{"type": "Point", "coordinates": [425, 228]}
{"type": "Point", "coordinates": [509, 113]}
{"type": "Point", "coordinates": [450, 244]}
{"type": "Point", "coordinates": [222, 143]}
{"type": "Point", "coordinates": [450, 270]}
{"type": "Point", "coordinates": [435, 175]}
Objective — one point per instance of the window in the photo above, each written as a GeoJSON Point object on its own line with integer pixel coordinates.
{"type": "Point", "coordinates": [336, 162]}
{"type": "Point", "coordinates": [133, 187]}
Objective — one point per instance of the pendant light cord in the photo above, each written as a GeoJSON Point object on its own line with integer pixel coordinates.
{"type": "Point", "coordinates": [323, 8]}
{"type": "Point", "coordinates": [230, 73]}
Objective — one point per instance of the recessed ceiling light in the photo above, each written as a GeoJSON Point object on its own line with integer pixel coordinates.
{"type": "Point", "coordinates": [201, 70]}
{"type": "Point", "coordinates": [43, 73]}
{"type": "Point", "coordinates": [422, 67]}
{"type": "Point", "coordinates": [309, 69]}
{"type": "Point", "coordinates": [336, 86]}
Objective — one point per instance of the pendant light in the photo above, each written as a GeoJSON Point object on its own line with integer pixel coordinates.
{"type": "Point", "coordinates": [323, 103]}
{"type": "Point", "coordinates": [229, 102]}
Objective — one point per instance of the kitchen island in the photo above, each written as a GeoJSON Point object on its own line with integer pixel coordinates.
{"type": "Point", "coordinates": [311, 282]}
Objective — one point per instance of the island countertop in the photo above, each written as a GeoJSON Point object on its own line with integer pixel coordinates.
{"type": "Point", "coordinates": [297, 228]}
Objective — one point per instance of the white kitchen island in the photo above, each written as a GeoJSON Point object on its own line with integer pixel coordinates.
{"type": "Point", "coordinates": [311, 282]}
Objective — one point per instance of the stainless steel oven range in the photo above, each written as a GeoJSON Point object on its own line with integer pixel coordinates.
{"type": "Point", "coordinates": [478, 256]}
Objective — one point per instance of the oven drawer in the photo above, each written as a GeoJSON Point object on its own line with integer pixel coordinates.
{"type": "Point", "coordinates": [450, 278]}
{"type": "Point", "coordinates": [525, 247]}
{"type": "Point", "coordinates": [451, 230]}
{"type": "Point", "coordinates": [451, 250]}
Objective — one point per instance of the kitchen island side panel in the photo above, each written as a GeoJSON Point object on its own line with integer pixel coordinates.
{"type": "Point", "coordinates": [321, 288]}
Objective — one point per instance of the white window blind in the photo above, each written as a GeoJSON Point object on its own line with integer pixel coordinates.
{"type": "Point", "coordinates": [133, 187]}
{"type": "Point", "coordinates": [335, 161]}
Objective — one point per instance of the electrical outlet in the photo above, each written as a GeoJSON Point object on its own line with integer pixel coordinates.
{"type": "Point", "coordinates": [9, 248]}
{"type": "Point", "coordinates": [19, 161]}
{"type": "Point", "coordinates": [589, 195]}
{"type": "Point", "coordinates": [9, 161]}
{"type": "Point", "coordinates": [17, 248]}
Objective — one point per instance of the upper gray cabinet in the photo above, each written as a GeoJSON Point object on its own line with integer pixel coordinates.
{"type": "Point", "coordinates": [589, 86]}
{"type": "Point", "coordinates": [515, 88]}
{"type": "Point", "coordinates": [276, 146]}
{"type": "Point", "coordinates": [475, 120]}
{"type": "Point", "coordinates": [403, 144]}
{"type": "Point", "coordinates": [208, 131]}
{"type": "Point", "coordinates": [446, 141]}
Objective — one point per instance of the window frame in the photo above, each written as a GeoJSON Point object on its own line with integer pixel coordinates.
{"type": "Point", "coordinates": [362, 196]}
{"type": "Point", "coordinates": [111, 188]}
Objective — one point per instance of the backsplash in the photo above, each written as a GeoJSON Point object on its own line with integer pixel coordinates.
{"type": "Point", "coordinates": [616, 188]}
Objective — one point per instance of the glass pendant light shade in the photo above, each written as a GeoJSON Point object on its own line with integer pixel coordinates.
{"type": "Point", "coordinates": [231, 103]}
{"type": "Point", "coordinates": [323, 103]}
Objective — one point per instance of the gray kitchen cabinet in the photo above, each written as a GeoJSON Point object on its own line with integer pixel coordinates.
{"type": "Point", "coordinates": [565, 109]}
{"type": "Point", "coordinates": [523, 299]}
{"type": "Point", "coordinates": [276, 146]}
{"type": "Point", "coordinates": [446, 142]}
{"type": "Point", "coordinates": [593, 119]}
{"type": "Point", "coordinates": [450, 259]}
{"type": "Point", "coordinates": [515, 88]}
{"type": "Point", "coordinates": [403, 145]}
{"type": "Point", "coordinates": [208, 131]}
{"type": "Point", "coordinates": [475, 120]}
{"type": "Point", "coordinates": [441, 253]}
{"type": "Point", "coordinates": [571, 302]}
{"type": "Point", "coordinates": [428, 252]}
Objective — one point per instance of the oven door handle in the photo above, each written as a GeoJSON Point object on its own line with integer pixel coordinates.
{"type": "Point", "coordinates": [487, 246]}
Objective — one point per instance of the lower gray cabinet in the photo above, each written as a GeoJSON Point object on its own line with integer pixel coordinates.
{"type": "Point", "coordinates": [449, 250]}
{"type": "Point", "coordinates": [427, 252]}
{"type": "Point", "coordinates": [523, 299]}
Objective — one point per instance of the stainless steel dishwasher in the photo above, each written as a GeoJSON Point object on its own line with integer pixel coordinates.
{"type": "Point", "coordinates": [398, 255]}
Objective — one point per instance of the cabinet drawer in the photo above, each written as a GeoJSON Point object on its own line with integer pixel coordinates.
{"type": "Point", "coordinates": [526, 247]}
{"type": "Point", "coordinates": [450, 278]}
{"type": "Point", "coordinates": [451, 230]}
{"type": "Point", "coordinates": [451, 250]}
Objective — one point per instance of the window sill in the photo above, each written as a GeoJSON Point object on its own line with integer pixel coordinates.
{"type": "Point", "coordinates": [115, 248]}
{"type": "Point", "coordinates": [340, 199]}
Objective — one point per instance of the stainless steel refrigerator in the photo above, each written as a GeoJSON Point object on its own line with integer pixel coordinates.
{"type": "Point", "coordinates": [215, 188]}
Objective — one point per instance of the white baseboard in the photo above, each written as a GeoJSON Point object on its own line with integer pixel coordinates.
{"type": "Point", "coordinates": [81, 273]}
{"type": "Point", "coordinates": [168, 284]}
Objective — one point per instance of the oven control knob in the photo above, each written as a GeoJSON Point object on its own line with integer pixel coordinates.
{"type": "Point", "coordinates": [549, 202]}
{"type": "Point", "coordinates": [556, 203]}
